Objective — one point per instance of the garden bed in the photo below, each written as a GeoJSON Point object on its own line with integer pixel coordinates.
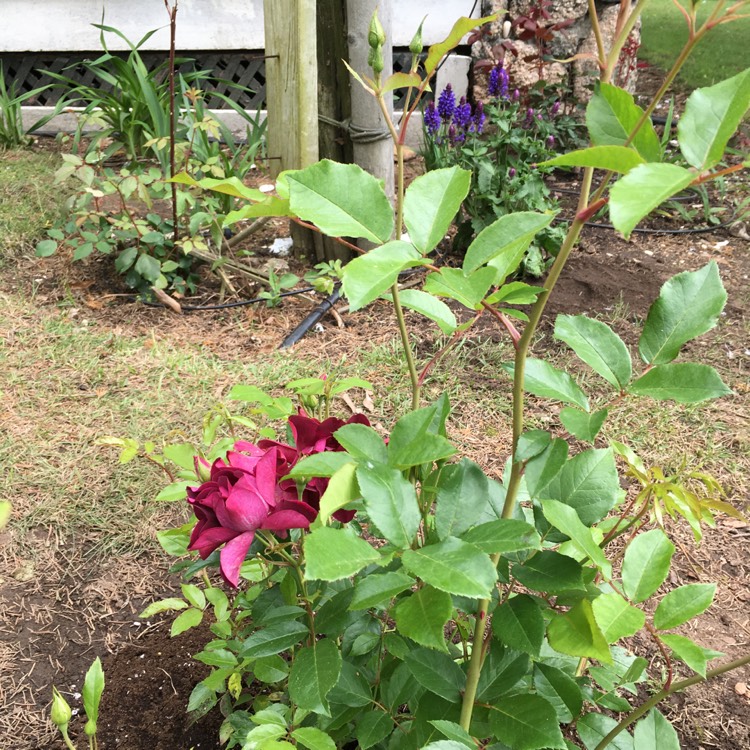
{"type": "Point", "coordinates": [73, 592]}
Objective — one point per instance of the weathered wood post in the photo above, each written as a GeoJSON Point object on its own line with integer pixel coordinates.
{"type": "Point", "coordinates": [373, 148]}
{"type": "Point", "coordinates": [292, 83]}
{"type": "Point", "coordinates": [292, 92]}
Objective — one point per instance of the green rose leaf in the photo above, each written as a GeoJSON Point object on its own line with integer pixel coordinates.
{"type": "Point", "coordinates": [526, 722]}
{"type": "Point", "coordinates": [646, 564]}
{"type": "Point", "coordinates": [654, 732]}
{"type": "Point", "coordinates": [546, 381]}
{"type": "Point", "coordinates": [687, 650]}
{"type": "Point", "coordinates": [503, 536]}
{"type": "Point", "coordinates": [711, 117]}
{"type": "Point", "coordinates": [190, 618]}
{"type": "Point", "coordinates": [544, 467]}
{"type": "Point", "coordinates": [430, 204]}
{"type": "Point", "coordinates": [589, 483]}
{"type": "Point", "coordinates": [462, 492]}
{"type": "Point", "coordinates": [576, 633]}
{"type": "Point", "coordinates": [454, 732]}
{"type": "Point", "coordinates": [372, 728]}
{"type": "Point", "coordinates": [361, 442]}
{"type": "Point", "coordinates": [341, 490]}
{"type": "Point", "coordinates": [549, 572]}
{"type": "Point", "coordinates": [581, 424]}
{"type": "Point", "coordinates": [333, 554]}
{"type": "Point", "coordinates": [273, 640]}
{"type": "Point", "coordinates": [503, 669]}
{"type": "Point", "coordinates": [682, 604]}
{"type": "Point", "coordinates": [689, 304]}
{"type": "Point", "coordinates": [593, 728]}
{"type": "Point", "coordinates": [422, 617]}
{"type": "Point", "coordinates": [368, 276]}
{"type": "Point", "coordinates": [468, 289]}
{"type": "Point", "coordinates": [565, 519]}
{"type": "Point", "coordinates": [414, 440]}
{"type": "Point", "coordinates": [641, 190]}
{"type": "Point", "coordinates": [453, 566]}
{"type": "Point", "coordinates": [313, 739]}
{"type": "Point", "coordinates": [519, 623]}
{"type": "Point", "coordinates": [390, 502]}
{"type": "Point", "coordinates": [561, 690]}
{"type": "Point", "coordinates": [379, 588]}
{"type": "Point", "coordinates": [611, 117]}
{"type": "Point", "coordinates": [616, 618]}
{"type": "Point", "coordinates": [598, 346]}
{"type": "Point", "coordinates": [429, 306]}
{"type": "Point", "coordinates": [315, 670]}
{"type": "Point", "coordinates": [342, 200]}
{"type": "Point", "coordinates": [436, 672]}
{"type": "Point", "coordinates": [504, 242]}
{"type": "Point", "coordinates": [612, 158]}
{"type": "Point", "coordinates": [684, 382]}
{"type": "Point", "coordinates": [352, 689]}
{"type": "Point", "coordinates": [320, 465]}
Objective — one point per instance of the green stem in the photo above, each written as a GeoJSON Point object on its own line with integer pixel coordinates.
{"type": "Point", "coordinates": [66, 739]}
{"type": "Point", "coordinates": [522, 350]}
{"type": "Point", "coordinates": [666, 692]}
{"type": "Point", "coordinates": [408, 353]}
{"type": "Point", "coordinates": [475, 663]}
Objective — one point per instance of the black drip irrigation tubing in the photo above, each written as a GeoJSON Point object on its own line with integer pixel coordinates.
{"type": "Point", "coordinates": [646, 230]}
{"type": "Point", "coordinates": [312, 318]}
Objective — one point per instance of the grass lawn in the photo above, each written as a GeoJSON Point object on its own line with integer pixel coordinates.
{"type": "Point", "coordinates": [724, 52]}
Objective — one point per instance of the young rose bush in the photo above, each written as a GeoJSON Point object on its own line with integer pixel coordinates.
{"type": "Point", "coordinates": [455, 610]}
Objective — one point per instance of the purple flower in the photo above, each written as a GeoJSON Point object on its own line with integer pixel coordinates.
{"type": "Point", "coordinates": [431, 119]}
{"type": "Point", "coordinates": [446, 105]}
{"type": "Point", "coordinates": [550, 141]}
{"type": "Point", "coordinates": [529, 120]}
{"type": "Point", "coordinates": [462, 116]}
{"type": "Point", "coordinates": [512, 172]}
{"type": "Point", "coordinates": [555, 108]}
{"type": "Point", "coordinates": [516, 95]}
{"type": "Point", "coordinates": [479, 117]}
{"type": "Point", "coordinates": [498, 85]}
{"type": "Point", "coordinates": [452, 133]}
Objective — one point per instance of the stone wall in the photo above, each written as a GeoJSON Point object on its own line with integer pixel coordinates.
{"type": "Point", "coordinates": [575, 39]}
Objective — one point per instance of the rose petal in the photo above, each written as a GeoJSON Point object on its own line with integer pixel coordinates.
{"type": "Point", "coordinates": [244, 509]}
{"type": "Point", "coordinates": [233, 555]}
{"type": "Point", "coordinates": [298, 517]}
{"type": "Point", "coordinates": [206, 540]}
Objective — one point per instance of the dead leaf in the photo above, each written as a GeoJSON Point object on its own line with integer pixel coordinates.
{"type": "Point", "coordinates": [367, 402]}
{"type": "Point", "coordinates": [348, 401]}
{"type": "Point", "coordinates": [741, 688]}
{"type": "Point", "coordinates": [93, 303]}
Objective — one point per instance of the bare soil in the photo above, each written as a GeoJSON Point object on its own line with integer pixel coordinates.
{"type": "Point", "coordinates": [50, 633]}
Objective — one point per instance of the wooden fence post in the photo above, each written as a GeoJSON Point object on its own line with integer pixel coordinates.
{"type": "Point", "coordinates": [292, 83]}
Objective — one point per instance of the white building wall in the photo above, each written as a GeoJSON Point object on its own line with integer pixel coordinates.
{"type": "Point", "coordinates": [65, 25]}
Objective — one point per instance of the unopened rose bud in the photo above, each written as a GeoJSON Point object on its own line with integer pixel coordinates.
{"type": "Point", "coordinates": [416, 45]}
{"type": "Point", "coordinates": [61, 712]}
{"type": "Point", "coordinates": [375, 60]}
{"type": "Point", "coordinates": [376, 33]}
